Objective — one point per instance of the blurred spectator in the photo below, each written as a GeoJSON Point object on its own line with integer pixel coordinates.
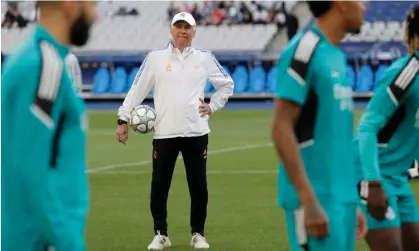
{"type": "Point", "coordinates": [261, 15]}
{"type": "Point", "coordinates": [292, 25]}
{"type": "Point", "coordinates": [196, 14]}
{"type": "Point", "coordinates": [243, 8]}
{"type": "Point", "coordinates": [186, 8]}
{"type": "Point", "coordinates": [218, 14]}
{"type": "Point", "coordinates": [234, 12]}
{"type": "Point", "coordinates": [206, 10]}
{"type": "Point", "coordinates": [247, 18]}
{"type": "Point", "coordinates": [279, 15]}
{"type": "Point", "coordinates": [171, 11]}
{"type": "Point", "coordinates": [124, 11]}
{"type": "Point", "coordinates": [35, 14]}
{"type": "Point", "coordinates": [285, 19]}
{"type": "Point", "coordinates": [13, 16]}
{"type": "Point", "coordinates": [231, 13]}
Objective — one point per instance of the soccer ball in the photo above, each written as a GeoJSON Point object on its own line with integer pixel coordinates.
{"type": "Point", "coordinates": [142, 119]}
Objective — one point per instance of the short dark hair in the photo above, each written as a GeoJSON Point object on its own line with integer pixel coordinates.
{"type": "Point", "coordinates": [319, 8]}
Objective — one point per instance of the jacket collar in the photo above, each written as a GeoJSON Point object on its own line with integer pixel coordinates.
{"type": "Point", "coordinates": [176, 51]}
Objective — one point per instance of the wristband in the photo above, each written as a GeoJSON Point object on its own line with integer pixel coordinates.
{"type": "Point", "coordinates": [122, 122]}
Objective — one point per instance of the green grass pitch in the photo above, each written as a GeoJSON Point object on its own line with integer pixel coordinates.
{"type": "Point", "coordinates": [242, 179]}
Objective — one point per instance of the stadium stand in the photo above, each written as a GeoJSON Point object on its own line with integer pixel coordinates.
{"type": "Point", "coordinates": [246, 38]}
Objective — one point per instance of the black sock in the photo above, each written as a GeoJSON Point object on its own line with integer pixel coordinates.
{"type": "Point", "coordinates": [161, 233]}
{"type": "Point", "coordinates": [201, 233]}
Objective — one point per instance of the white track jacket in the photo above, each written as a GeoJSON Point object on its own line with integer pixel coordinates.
{"type": "Point", "coordinates": [178, 81]}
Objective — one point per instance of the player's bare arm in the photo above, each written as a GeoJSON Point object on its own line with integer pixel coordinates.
{"type": "Point", "coordinates": [285, 117]}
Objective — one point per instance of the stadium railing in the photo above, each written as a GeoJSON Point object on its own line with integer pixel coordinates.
{"type": "Point", "coordinates": [240, 96]}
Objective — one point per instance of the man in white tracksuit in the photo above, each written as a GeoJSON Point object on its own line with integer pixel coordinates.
{"type": "Point", "coordinates": [178, 73]}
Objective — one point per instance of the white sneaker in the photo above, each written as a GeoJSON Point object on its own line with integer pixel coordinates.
{"type": "Point", "coordinates": [159, 242]}
{"type": "Point", "coordinates": [199, 242]}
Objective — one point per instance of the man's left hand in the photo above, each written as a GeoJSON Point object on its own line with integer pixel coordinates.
{"type": "Point", "coordinates": [204, 108]}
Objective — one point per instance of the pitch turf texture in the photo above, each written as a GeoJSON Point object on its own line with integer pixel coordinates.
{"type": "Point", "coordinates": [242, 179]}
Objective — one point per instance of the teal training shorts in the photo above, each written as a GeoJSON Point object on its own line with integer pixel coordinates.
{"type": "Point", "coordinates": [403, 207]}
{"type": "Point", "coordinates": [342, 229]}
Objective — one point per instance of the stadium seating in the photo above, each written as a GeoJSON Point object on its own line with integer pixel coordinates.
{"type": "Point", "coordinates": [378, 73]}
{"type": "Point", "coordinates": [119, 81]}
{"type": "Point", "coordinates": [209, 88]}
{"type": "Point", "coordinates": [131, 77]}
{"type": "Point", "coordinates": [384, 22]}
{"type": "Point", "coordinates": [364, 79]}
{"type": "Point", "coordinates": [241, 79]}
{"type": "Point", "coordinates": [101, 81]}
{"type": "Point", "coordinates": [257, 80]}
{"type": "Point", "coordinates": [125, 35]}
{"type": "Point", "coordinates": [271, 80]}
{"type": "Point", "coordinates": [253, 81]}
{"type": "Point", "coordinates": [108, 37]}
{"type": "Point", "coordinates": [351, 77]}
{"type": "Point", "coordinates": [388, 10]}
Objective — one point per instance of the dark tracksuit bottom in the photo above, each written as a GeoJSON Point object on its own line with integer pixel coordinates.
{"type": "Point", "coordinates": [165, 153]}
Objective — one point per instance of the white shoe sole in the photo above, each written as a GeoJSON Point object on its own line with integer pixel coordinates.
{"type": "Point", "coordinates": [193, 246]}
{"type": "Point", "coordinates": [167, 244]}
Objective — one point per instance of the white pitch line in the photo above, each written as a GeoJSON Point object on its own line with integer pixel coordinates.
{"type": "Point", "coordinates": [208, 172]}
{"type": "Point", "coordinates": [147, 162]}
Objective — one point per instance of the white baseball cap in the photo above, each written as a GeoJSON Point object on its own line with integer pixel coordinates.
{"type": "Point", "coordinates": [184, 16]}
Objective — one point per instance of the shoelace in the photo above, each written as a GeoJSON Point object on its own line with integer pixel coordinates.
{"type": "Point", "coordinates": [158, 238]}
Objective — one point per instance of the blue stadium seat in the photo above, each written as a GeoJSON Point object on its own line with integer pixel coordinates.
{"type": "Point", "coordinates": [351, 77]}
{"type": "Point", "coordinates": [241, 79]}
{"type": "Point", "coordinates": [378, 73]}
{"type": "Point", "coordinates": [209, 88]}
{"type": "Point", "coordinates": [131, 78]}
{"type": "Point", "coordinates": [119, 81]}
{"type": "Point", "coordinates": [365, 79]}
{"type": "Point", "coordinates": [101, 81]}
{"type": "Point", "coordinates": [227, 69]}
{"type": "Point", "coordinates": [271, 82]}
{"type": "Point", "coordinates": [257, 80]}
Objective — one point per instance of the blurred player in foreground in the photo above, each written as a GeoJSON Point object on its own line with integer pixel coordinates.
{"type": "Point", "coordinates": [313, 131]}
{"type": "Point", "coordinates": [44, 186]}
{"type": "Point", "coordinates": [388, 141]}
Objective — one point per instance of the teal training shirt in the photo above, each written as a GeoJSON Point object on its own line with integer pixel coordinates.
{"type": "Point", "coordinates": [388, 132]}
{"type": "Point", "coordinates": [313, 73]}
{"type": "Point", "coordinates": [44, 145]}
